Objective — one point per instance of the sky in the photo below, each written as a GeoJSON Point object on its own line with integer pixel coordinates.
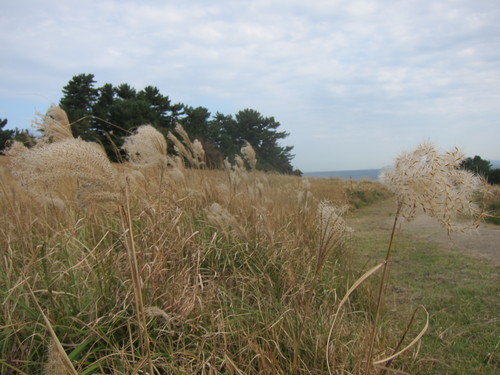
{"type": "Point", "coordinates": [355, 83]}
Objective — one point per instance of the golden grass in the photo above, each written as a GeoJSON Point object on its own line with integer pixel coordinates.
{"type": "Point", "coordinates": [237, 295]}
{"type": "Point", "coordinates": [4, 161]}
{"type": "Point", "coordinates": [152, 267]}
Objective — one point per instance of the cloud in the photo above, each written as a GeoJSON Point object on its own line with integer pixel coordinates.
{"type": "Point", "coordinates": [356, 80]}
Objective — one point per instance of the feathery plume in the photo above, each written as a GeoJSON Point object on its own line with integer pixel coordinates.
{"type": "Point", "coordinates": [332, 230]}
{"type": "Point", "coordinates": [147, 147]}
{"type": "Point", "coordinates": [239, 162]}
{"type": "Point", "coordinates": [193, 152]}
{"type": "Point", "coordinates": [234, 173]}
{"type": "Point", "coordinates": [54, 125]}
{"type": "Point", "coordinates": [15, 148]}
{"type": "Point", "coordinates": [41, 169]}
{"type": "Point", "coordinates": [433, 182]}
{"type": "Point", "coordinates": [181, 149]}
{"type": "Point", "coordinates": [55, 364]}
{"type": "Point", "coordinates": [304, 196]}
{"type": "Point", "coordinates": [175, 174]}
{"type": "Point", "coordinates": [184, 135]}
{"type": "Point", "coordinates": [249, 154]}
{"type": "Point", "coordinates": [198, 153]}
{"type": "Point", "coordinates": [223, 219]}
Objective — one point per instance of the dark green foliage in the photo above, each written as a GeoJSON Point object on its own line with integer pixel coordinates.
{"type": "Point", "coordinates": [5, 135]}
{"type": "Point", "coordinates": [261, 132]}
{"type": "Point", "coordinates": [477, 165]}
{"type": "Point", "coordinates": [482, 167]}
{"type": "Point", "coordinates": [494, 211]}
{"type": "Point", "coordinates": [79, 97]}
{"type": "Point", "coordinates": [24, 136]}
{"type": "Point", "coordinates": [362, 198]}
{"type": "Point", "coordinates": [494, 176]}
{"type": "Point", "coordinates": [8, 136]}
{"type": "Point", "coordinates": [108, 114]}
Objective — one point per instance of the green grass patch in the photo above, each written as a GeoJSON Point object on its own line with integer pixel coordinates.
{"type": "Point", "coordinates": [459, 292]}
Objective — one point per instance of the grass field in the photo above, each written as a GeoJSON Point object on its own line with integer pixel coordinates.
{"type": "Point", "coordinates": [459, 290]}
{"type": "Point", "coordinates": [153, 267]}
{"type": "Point", "coordinates": [197, 272]}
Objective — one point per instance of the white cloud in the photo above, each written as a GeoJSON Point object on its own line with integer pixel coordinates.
{"type": "Point", "coordinates": [339, 75]}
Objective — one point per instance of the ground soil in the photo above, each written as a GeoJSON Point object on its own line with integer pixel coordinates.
{"type": "Point", "coordinates": [483, 242]}
{"type": "Point", "coordinates": [460, 293]}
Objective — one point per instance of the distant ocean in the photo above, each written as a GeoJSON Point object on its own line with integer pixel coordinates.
{"type": "Point", "coordinates": [371, 174]}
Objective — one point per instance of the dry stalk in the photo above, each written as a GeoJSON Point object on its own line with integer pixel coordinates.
{"type": "Point", "coordinates": [126, 221]}
{"type": "Point", "coordinates": [433, 182]}
{"type": "Point", "coordinates": [55, 340]}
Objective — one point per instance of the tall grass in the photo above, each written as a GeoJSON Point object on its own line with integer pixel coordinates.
{"type": "Point", "coordinates": [153, 267]}
{"type": "Point", "coordinates": [424, 179]}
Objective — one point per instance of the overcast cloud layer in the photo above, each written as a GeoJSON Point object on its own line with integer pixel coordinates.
{"type": "Point", "coordinates": [353, 82]}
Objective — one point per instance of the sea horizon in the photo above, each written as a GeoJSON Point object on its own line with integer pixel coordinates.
{"type": "Point", "coordinates": [354, 174]}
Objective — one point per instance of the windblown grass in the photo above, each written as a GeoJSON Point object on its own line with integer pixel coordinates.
{"type": "Point", "coordinates": [151, 267]}
{"type": "Point", "coordinates": [459, 292]}
{"type": "Point", "coordinates": [154, 267]}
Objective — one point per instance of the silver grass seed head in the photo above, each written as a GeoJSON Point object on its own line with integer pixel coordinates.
{"type": "Point", "coordinates": [147, 147]}
{"type": "Point", "coordinates": [184, 135]}
{"type": "Point", "coordinates": [249, 154]}
{"type": "Point", "coordinates": [432, 182]}
{"type": "Point", "coordinates": [239, 162]}
{"type": "Point", "coordinates": [175, 174]}
{"type": "Point", "coordinates": [15, 148]}
{"type": "Point", "coordinates": [43, 168]}
{"type": "Point", "coordinates": [332, 226]}
{"type": "Point", "coordinates": [54, 125]}
{"type": "Point", "coordinates": [181, 149]}
{"type": "Point", "coordinates": [55, 363]}
{"type": "Point", "coordinates": [224, 220]}
{"type": "Point", "coordinates": [306, 184]}
{"type": "Point", "coordinates": [227, 164]}
{"type": "Point", "coordinates": [198, 152]}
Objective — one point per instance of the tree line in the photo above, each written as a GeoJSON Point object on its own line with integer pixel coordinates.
{"type": "Point", "coordinates": [483, 168]}
{"type": "Point", "coordinates": [108, 113]}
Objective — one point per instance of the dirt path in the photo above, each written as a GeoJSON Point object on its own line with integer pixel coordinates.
{"type": "Point", "coordinates": [456, 280]}
{"type": "Point", "coordinates": [483, 242]}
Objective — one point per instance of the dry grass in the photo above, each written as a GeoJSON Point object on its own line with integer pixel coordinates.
{"type": "Point", "coordinates": [4, 161]}
{"type": "Point", "coordinates": [427, 180]}
{"type": "Point", "coordinates": [161, 269]}
{"type": "Point", "coordinates": [152, 267]}
{"type": "Point", "coordinates": [491, 204]}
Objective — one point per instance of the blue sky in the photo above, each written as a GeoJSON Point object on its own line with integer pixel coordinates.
{"type": "Point", "coordinates": [354, 82]}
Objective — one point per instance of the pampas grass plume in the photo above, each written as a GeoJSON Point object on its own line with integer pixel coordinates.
{"type": "Point", "coordinates": [198, 152]}
{"type": "Point", "coordinates": [54, 125]}
{"type": "Point", "coordinates": [147, 147]}
{"type": "Point", "coordinates": [433, 182]}
{"type": "Point", "coordinates": [249, 154]}
{"type": "Point", "coordinates": [55, 364]}
{"type": "Point", "coordinates": [181, 149]}
{"type": "Point", "coordinates": [332, 230]}
{"type": "Point", "coordinates": [41, 169]}
{"type": "Point", "coordinates": [224, 220]}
